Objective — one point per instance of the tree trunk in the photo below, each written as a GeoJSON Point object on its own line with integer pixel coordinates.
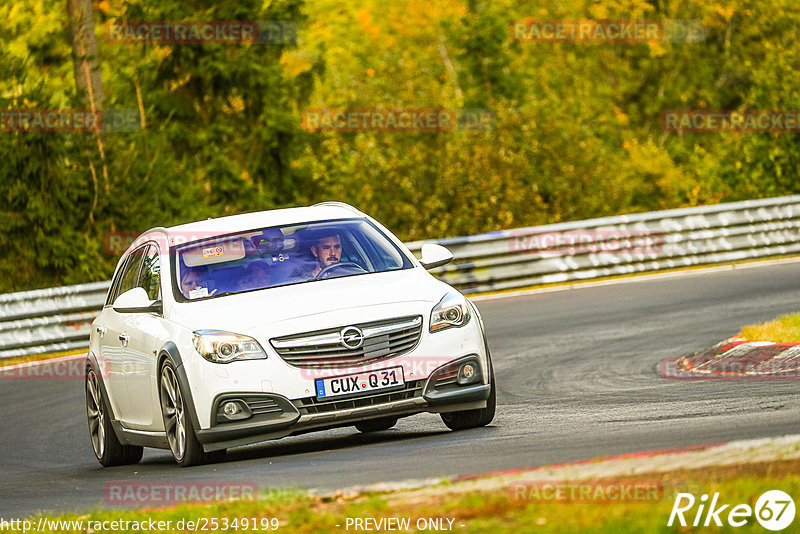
{"type": "Point", "coordinates": [88, 83]}
{"type": "Point", "coordinates": [84, 53]}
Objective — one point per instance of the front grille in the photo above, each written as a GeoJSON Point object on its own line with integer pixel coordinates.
{"type": "Point", "coordinates": [311, 405]}
{"type": "Point", "coordinates": [325, 349]}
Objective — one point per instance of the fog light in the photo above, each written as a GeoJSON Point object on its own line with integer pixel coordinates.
{"type": "Point", "coordinates": [468, 373]}
{"type": "Point", "coordinates": [468, 370]}
{"type": "Point", "coordinates": [230, 409]}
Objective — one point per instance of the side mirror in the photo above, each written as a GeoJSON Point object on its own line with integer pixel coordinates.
{"type": "Point", "coordinates": [435, 256]}
{"type": "Point", "coordinates": [136, 301]}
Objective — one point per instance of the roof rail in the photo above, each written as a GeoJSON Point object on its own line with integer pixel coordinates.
{"type": "Point", "coordinates": [338, 205]}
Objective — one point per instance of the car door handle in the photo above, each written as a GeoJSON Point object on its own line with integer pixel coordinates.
{"type": "Point", "coordinates": [101, 330]}
{"type": "Point", "coordinates": [124, 338]}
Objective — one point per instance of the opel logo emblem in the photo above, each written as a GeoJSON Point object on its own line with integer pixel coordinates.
{"type": "Point", "coordinates": [352, 337]}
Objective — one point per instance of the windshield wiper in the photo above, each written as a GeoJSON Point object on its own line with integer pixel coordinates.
{"type": "Point", "coordinates": [224, 294]}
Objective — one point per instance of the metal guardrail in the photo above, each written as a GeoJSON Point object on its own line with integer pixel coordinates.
{"type": "Point", "coordinates": [49, 320]}
{"type": "Point", "coordinates": [59, 319]}
{"type": "Point", "coordinates": [625, 244]}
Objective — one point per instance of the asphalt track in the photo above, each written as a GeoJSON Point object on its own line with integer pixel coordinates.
{"type": "Point", "coordinates": [577, 376]}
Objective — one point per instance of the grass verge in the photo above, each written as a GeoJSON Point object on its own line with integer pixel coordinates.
{"type": "Point", "coordinates": [495, 510]}
{"type": "Point", "coordinates": [784, 329]}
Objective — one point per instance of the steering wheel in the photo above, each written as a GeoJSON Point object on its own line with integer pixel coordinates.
{"type": "Point", "coordinates": [342, 264]}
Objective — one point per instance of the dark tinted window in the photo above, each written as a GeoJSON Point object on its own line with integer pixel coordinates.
{"type": "Point", "coordinates": [113, 291]}
{"type": "Point", "coordinates": [267, 257]}
{"type": "Point", "coordinates": [130, 275]}
{"type": "Point", "coordinates": [150, 278]}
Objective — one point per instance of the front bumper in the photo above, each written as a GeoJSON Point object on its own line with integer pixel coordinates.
{"type": "Point", "coordinates": [286, 417]}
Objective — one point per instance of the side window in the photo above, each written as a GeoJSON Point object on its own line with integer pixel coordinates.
{"type": "Point", "coordinates": [150, 278]}
{"type": "Point", "coordinates": [130, 276]}
{"type": "Point", "coordinates": [114, 289]}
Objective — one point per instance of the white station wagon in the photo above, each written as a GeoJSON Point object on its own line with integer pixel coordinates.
{"type": "Point", "coordinates": [247, 328]}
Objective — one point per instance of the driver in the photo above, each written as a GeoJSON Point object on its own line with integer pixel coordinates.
{"type": "Point", "coordinates": [327, 251]}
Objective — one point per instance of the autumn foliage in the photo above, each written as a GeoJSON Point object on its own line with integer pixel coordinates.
{"type": "Point", "coordinates": [543, 131]}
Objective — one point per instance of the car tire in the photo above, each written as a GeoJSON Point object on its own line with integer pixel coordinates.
{"type": "Point", "coordinates": [474, 418]}
{"type": "Point", "coordinates": [107, 448]}
{"type": "Point", "coordinates": [186, 449]}
{"type": "Point", "coordinates": [376, 425]}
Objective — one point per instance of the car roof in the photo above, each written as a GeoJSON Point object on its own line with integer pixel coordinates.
{"type": "Point", "coordinates": [210, 227]}
{"type": "Point", "coordinates": [260, 219]}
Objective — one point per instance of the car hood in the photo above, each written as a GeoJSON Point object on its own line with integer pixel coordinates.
{"type": "Point", "coordinates": [315, 305]}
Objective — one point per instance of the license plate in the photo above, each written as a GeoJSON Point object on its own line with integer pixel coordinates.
{"type": "Point", "coordinates": [359, 383]}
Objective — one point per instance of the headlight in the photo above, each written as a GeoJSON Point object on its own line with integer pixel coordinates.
{"type": "Point", "coordinates": [225, 347]}
{"type": "Point", "coordinates": [452, 311]}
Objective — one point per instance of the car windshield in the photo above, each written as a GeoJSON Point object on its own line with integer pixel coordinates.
{"type": "Point", "coordinates": [282, 255]}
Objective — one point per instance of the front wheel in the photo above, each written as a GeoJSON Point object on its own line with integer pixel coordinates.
{"type": "Point", "coordinates": [474, 418]}
{"type": "Point", "coordinates": [183, 443]}
{"type": "Point", "coordinates": [107, 448]}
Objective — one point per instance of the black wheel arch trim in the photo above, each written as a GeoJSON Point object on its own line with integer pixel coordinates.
{"type": "Point", "coordinates": [91, 360]}
{"type": "Point", "coordinates": [170, 352]}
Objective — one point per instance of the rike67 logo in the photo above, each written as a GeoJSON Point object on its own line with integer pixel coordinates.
{"type": "Point", "coordinates": [774, 510]}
